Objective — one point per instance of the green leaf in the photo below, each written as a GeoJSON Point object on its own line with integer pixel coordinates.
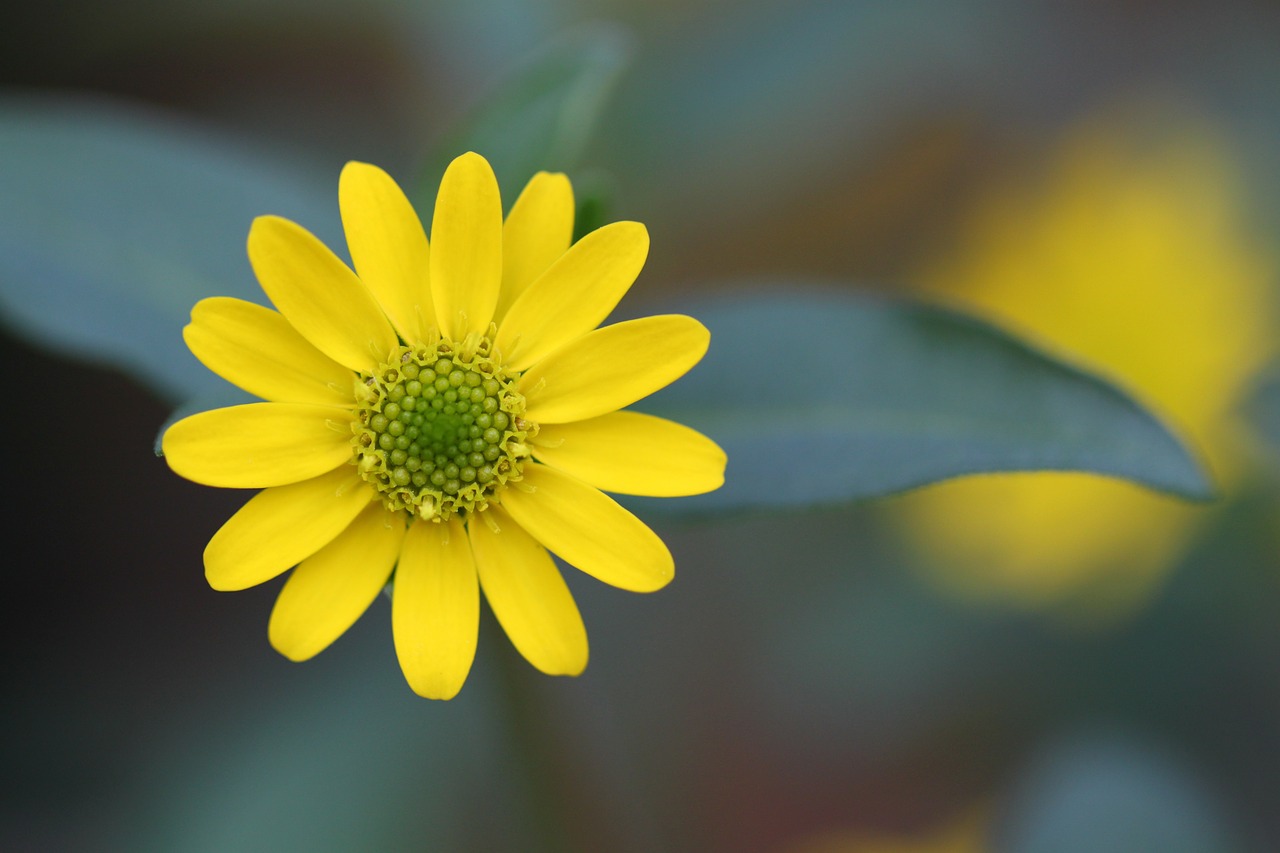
{"type": "Point", "coordinates": [1102, 792]}
{"type": "Point", "coordinates": [594, 193]}
{"type": "Point", "coordinates": [541, 117]}
{"type": "Point", "coordinates": [821, 397]}
{"type": "Point", "coordinates": [1262, 409]}
{"type": "Point", "coordinates": [114, 222]}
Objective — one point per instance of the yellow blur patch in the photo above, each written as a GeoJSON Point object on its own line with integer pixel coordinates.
{"type": "Point", "coordinates": [966, 835]}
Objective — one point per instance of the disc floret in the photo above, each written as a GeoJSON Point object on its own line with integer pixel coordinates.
{"type": "Point", "coordinates": [440, 428]}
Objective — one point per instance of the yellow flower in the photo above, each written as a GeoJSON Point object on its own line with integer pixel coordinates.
{"type": "Point", "coordinates": [1131, 257]}
{"type": "Point", "coordinates": [968, 833]}
{"type": "Point", "coordinates": [439, 419]}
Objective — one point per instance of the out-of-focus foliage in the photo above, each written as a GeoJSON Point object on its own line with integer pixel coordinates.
{"type": "Point", "coordinates": [1263, 412]}
{"type": "Point", "coordinates": [541, 119]}
{"type": "Point", "coordinates": [1107, 794]}
{"type": "Point", "coordinates": [114, 221]}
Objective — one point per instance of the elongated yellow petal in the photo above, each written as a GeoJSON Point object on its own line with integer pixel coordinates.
{"type": "Point", "coordinates": [435, 609]}
{"type": "Point", "coordinates": [259, 444]}
{"type": "Point", "coordinates": [329, 590]}
{"type": "Point", "coordinates": [281, 526]}
{"type": "Point", "coordinates": [612, 367]}
{"type": "Point", "coordinates": [538, 230]}
{"type": "Point", "coordinates": [589, 530]}
{"type": "Point", "coordinates": [319, 295]}
{"type": "Point", "coordinates": [574, 295]}
{"type": "Point", "coordinates": [388, 247]}
{"type": "Point", "coordinates": [529, 597]}
{"type": "Point", "coordinates": [633, 454]}
{"type": "Point", "coordinates": [466, 247]}
{"type": "Point", "coordinates": [256, 349]}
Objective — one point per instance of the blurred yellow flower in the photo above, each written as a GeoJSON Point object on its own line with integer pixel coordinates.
{"type": "Point", "coordinates": [439, 419]}
{"type": "Point", "coordinates": [1131, 258]}
{"type": "Point", "coordinates": [967, 834]}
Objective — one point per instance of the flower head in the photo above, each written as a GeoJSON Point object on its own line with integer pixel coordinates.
{"type": "Point", "coordinates": [439, 419]}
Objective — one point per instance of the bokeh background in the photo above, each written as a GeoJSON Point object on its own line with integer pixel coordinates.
{"type": "Point", "coordinates": [1017, 663]}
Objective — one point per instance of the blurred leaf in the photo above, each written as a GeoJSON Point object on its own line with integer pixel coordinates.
{"type": "Point", "coordinates": [113, 223]}
{"type": "Point", "coordinates": [821, 397]}
{"type": "Point", "coordinates": [1106, 795]}
{"type": "Point", "coordinates": [594, 192]}
{"type": "Point", "coordinates": [541, 117]}
{"type": "Point", "coordinates": [1263, 410]}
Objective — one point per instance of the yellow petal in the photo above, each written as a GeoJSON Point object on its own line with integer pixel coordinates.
{"type": "Point", "coordinates": [466, 247]}
{"type": "Point", "coordinates": [281, 526]}
{"type": "Point", "coordinates": [319, 295]}
{"type": "Point", "coordinates": [633, 454]}
{"type": "Point", "coordinates": [538, 230]}
{"type": "Point", "coordinates": [574, 295]}
{"type": "Point", "coordinates": [256, 349]}
{"type": "Point", "coordinates": [529, 597]}
{"type": "Point", "coordinates": [589, 530]}
{"type": "Point", "coordinates": [435, 609]}
{"type": "Point", "coordinates": [612, 367]}
{"type": "Point", "coordinates": [259, 444]}
{"type": "Point", "coordinates": [388, 247]}
{"type": "Point", "coordinates": [329, 590]}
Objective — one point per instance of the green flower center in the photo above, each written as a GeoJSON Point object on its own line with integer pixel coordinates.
{"type": "Point", "coordinates": [439, 428]}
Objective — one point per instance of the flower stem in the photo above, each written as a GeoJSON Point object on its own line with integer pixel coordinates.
{"type": "Point", "coordinates": [556, 814]}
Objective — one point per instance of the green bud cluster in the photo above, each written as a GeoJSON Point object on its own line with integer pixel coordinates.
{"type": "Point", "coordinates": [439, 428]}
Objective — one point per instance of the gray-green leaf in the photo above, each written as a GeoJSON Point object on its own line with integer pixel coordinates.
{"type": "Point", "coordinates": [114, 222]}
{"type": "Point", "coordinates": [541, 118]}
{"type": "Point", "coordinates": [819, 397]}
{"type": "Point", "coordinates": [1100, 792]}
{"type": "Point", "coordinates": [1263, 410]}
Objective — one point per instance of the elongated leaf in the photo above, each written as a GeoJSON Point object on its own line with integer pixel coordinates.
{"type": "Point", "coordinates": [113, 223]}
{"type": "Point", "coordinates": [819, 397]}
{"type": "Point", "coordinates": [541, 118]}
{"type": "Point", "coordinates": [1263, 410]}
{"type": "Point", "coordinates": [1099, 792]}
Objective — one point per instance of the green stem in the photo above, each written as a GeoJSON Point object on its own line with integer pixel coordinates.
{"type": "Point", "coordinates": [547, 783]}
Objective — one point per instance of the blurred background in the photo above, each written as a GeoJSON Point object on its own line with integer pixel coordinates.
{"type": "Point", "coordinates": [1043, 662]}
